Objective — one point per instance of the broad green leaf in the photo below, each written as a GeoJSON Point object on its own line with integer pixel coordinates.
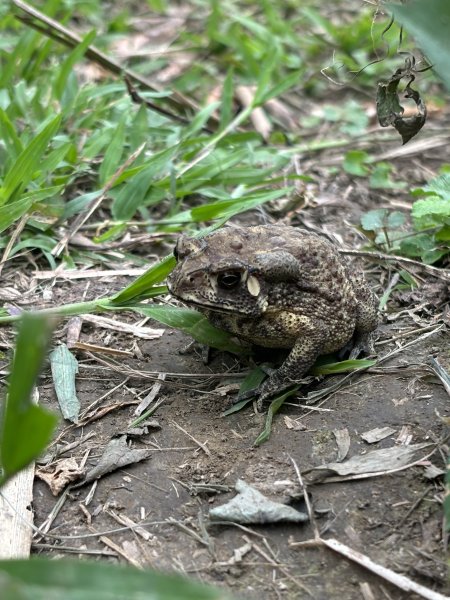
{"type": "Point", "coordinates": [191, 322]}
{"type": "Point", "coordinates": [439, 186]}
{"type": "Point", "coordinates": [28, 161]}
{"type": "Point", "coordinates": [428, 22]}
{"type": "Point", "coordinates": [354, 163]}
{"type": "Point", "coordinates": [380, 178]}
{"type": "Point", "coordinates": [44, 579]}
{"type": "Point", "coordinates": [373, 220]}
{"type": "Point", "coordinates": [431, 212]}
{"type": "Point", "coordinates": [25, 428]}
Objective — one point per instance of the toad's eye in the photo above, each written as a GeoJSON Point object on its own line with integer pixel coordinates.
{"type": "Point", "coordinates": [229, 279]}
{"type": "Point", "coordinates": [176, 253]}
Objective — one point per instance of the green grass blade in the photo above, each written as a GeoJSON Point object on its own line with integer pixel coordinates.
{"type": "Point", "coordinates": [67, 67]}
{"type": "Point", "coordinates": [139, 287]}
{"type": "Point", "coordinates": [191, 322]}
{"type": "Point", "coordinates": [11, 212]}
{"type": "Point", "coordinates": [113, 152]}
{"type": "Point", "coordinates": [41, 579]}
{"type": "Point", "coordinates": [28, 161]}
{"type": "Point", "coordinates": [9, 136]}
{"type": "Point", "coordinates": [274, 407]}
{"type": "Point", "coordinates": [25, 428]}
{"type": "Point", "coordinates": [343, 366]}
{"type": "Point", "coordinates": [226, 107]}
{"type": "Point", "coordinates": [281, 87]}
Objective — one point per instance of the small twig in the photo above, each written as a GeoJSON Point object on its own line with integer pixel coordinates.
{"type": "Point", "coordinates": [51, 28]}
{"type": "Point", "coordinates": [277, 565]}
{"type": "Point", "coordinates": [434, 271]}
{"type": "Point", "coordinates": [402, 582]}
{"type": "Point", "coordinates": [120, 551]}
{"type": "Point", "coordinates": [441, 373]}
{"type": "Point", "coordinates": [188, 531]}
{"type": "Point", "coordinates": [413, 507]}
{"type": "Point", "coordinates": [12, 240]}
{"type": "Point", "coordinates": [204, 447]}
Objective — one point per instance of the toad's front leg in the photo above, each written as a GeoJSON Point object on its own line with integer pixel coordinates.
{"type": "Point", "coordinates": [300, 359]}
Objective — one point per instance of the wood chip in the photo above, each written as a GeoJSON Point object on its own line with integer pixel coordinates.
{"type": "Point", "coordinates": [375, 435]}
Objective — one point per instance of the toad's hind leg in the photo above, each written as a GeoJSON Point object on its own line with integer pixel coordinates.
{"type": "Point", "coordinates": [366, 318]}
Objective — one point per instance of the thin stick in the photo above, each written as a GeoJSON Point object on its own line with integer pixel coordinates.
{"type": "Point", "coordinates": [204, 447]}
{"type": "Point", "coordinates": [36, 19]}
{"type": "Point", "coordinates": [12, 240]}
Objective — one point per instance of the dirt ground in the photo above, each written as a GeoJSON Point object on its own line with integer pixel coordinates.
{"type": "Point", "coordinates": [197, 455]}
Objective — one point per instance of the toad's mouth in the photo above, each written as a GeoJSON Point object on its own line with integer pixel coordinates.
{"type": "Point", "coordinates": [215, 308]}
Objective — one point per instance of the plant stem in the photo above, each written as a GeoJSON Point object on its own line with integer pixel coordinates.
{"type": "Point", "coordinates": [67, 310]}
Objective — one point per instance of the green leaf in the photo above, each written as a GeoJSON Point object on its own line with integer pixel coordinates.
{"type": "Point", "coordinates": [67, 66]}
{"type": "Point", "coordinates": [132, 194]}
{"type": "Point", "coordinates": [226, 107]}
{"type": "Point", "coordinates": [431, 212]}
{"type": "Point", "coordinates": [9, 135]}
{"type": "Point", "coordinates": [380, 178]}
{"type": "Point", "coordinates": [254, 378]}
{"type": "Point", "coordinates": [191, 322]}
{"type": "Point", "coordinates": [274, 407]}
{"type": "Point", "coordinates": [281, 87]}
{"type": "Point", "coordinates": [439, 186]}
{"type": "Point", "coordinates": [140, 287]}
{"type": "Point", "coordinates": [343, 366]}
{"type": "Point", "coordinates": [25, 428]}
{"type": "Point", "coordinates": [268, 66]}
{"type": "Point", "coordinates": [13, 211]}
{"type": "Point", "coordinates": [354, 163]}
{"type": "Point", "coordinates": [42, 578]}
{"type": "Point", "coordinates": [428, 22]}
{"type": "Point", "coordinates": [229, 208]}
{"type": "Point", "coordinates": [113, 153]}
{"type": "Point", "coordinates": [374, 219]}
{"type": "Point", "coordinates": [28, 161]}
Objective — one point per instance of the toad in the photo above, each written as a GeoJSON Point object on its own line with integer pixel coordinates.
{"type": "Point", "coordinates": [277, 287]}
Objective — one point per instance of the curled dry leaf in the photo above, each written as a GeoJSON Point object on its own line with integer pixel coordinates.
{"type": "Point", "coordinates": [250, 506]}
{"type": "Point", "coordinates": [382, 460]}
{"type": "Point", "coordinates": [116, 455]}
{"type": "Point", "coordinates": [58, 475]}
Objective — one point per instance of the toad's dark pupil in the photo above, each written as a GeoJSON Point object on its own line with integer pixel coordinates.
{"type": "Point", "coordinates": [229, 280]}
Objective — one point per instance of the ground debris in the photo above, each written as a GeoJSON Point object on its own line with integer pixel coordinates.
{"type": "Point", "coordinates": [250, 506]}
{"type": "Point", "coordinates": [116, 455]}
{"type": "Point", "coordinates": [376, 461]}
{"type": "Point", "coordinates": [375, 435]}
